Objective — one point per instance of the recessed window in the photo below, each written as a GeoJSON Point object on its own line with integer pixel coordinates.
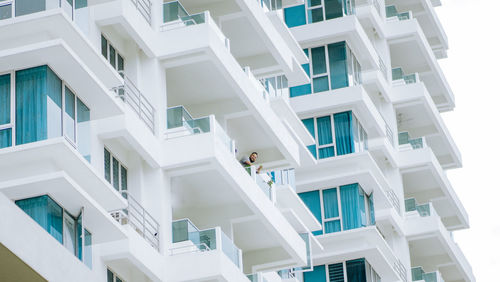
{"type": "Point", "coordinates": [347, 271]}
{"type": "Point", "coordinates": [113, 277]}
{"type": "Point", "coordinates": [115, 173]}
{"type": "Point", "coordinates": [111, 54]}
{"type": "Point", "coordinates": [316, 11]}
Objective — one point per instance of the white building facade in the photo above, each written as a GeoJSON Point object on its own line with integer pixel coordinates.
{"type": "Point", "coordinates": [123, 124]}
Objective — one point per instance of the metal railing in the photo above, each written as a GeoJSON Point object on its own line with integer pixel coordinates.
{"type": "Point", "coordinates": [144, 8]}
{"type": "Point", "coordinates": [276, 86]}
{"type": "Point", "coordinates": [383, 68]}
{"type": "Point", "coordinates": [263, 180]}
{"type": "Point", "coordinates": [260, 87]}
{"type": "Point", "coordinates": [271, 5]}
{"type": "Point", "coordinates": [140, 220]}
{"type": "Point", "coordinates": [284, 177]}
{"type": "Point", "coordinates": [399, 75]}
{"type": "Point", "coordinates": [286, 274]}
{"type": "Point", "coordinates": [418, 274]}
{"type": "Point", "coordinates": [131, 95]}
{"type": "Point", "coordinates": [400, 270]}
{"type": "Point", "coordinates": [389, 133]}
{"type": "Point", "coordinates": [393, 198]}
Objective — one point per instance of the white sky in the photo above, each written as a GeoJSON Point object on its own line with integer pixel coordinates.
{"type": "Point", "coordinates": [471, 68]}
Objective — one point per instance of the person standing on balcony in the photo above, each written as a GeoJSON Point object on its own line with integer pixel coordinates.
{"type": "Point", "coordinates": [248, 161]}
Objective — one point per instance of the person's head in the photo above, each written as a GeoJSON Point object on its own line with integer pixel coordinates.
{"type": "Point", "coordinates": [253, 157]}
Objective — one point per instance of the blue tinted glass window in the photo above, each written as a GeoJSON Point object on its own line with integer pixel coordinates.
{"type": "Point", "coordinates": [295, 16]}
{"type": "Point", "coordinates": [317, 275]}
{"type": "Point", "coordinates": [333, 9]}
{"type": "Point", "coordinates": [338, 65]}
{"type": "Point", "coordinates": [312, 201]}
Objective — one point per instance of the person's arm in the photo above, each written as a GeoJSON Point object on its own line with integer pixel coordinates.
{"type": "Point", "coordinates": [247, 163]}
{"type": "Point", "coordinates": [258, 169]}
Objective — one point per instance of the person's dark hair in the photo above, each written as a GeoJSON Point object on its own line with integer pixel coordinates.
{"type": "Point", "coordinates": [254, 153]}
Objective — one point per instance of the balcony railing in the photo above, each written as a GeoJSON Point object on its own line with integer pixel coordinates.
{"type": "Point", "coordinates": [415, 143]}
{"type": "Point", "coordinates": [270, 5]}
{"type": "Point", "coordinates": [423, 210]}
{"type": "Point", "coordinates": [175, 16]}
{"type": "Point", "coordinates": [276, 86]}
{"type": "Point", "coordinates": [131, 95]}
{"type": "Point", "coordinates": [383, 68]}
{"type": "Point", "coordinates": [140, 220]}
{"type": "Point", "coordinates": [284, 177]}
{"type": "Point", "coordinates": [203, 241]}
{"type": "Point", "coordinates": [286, 274]}
{"type": "Point", "coordinates": [260, 87]}
{"type": "Point", "coordinates": [399, 77]}
{"type": "Point", "coordinates": [418, 274]}
{"type": "Point", "coordinates": [400, 270]}
{"type": "Point", "coordinates": [181, 123]}
{"type": "Point", "coordinates": [375, 3]}
{"type": "Point", "coordinates": [144, 8]}
{"type": "Point", "coordinates": [256, 277]}
{"type": "Point", "coordinates": [393, 14]}
{"type": "Point", "coordinates": [264, 181]}
{"type": "Point", "coordinates": [393, 198]}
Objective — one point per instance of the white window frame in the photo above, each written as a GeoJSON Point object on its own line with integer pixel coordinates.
{"type": "Point", "coordinates": [368, 270]}
{"type": "Point", "coordinates": [120, 165]}
{"type": "Point", "coordinates": [322, 6]}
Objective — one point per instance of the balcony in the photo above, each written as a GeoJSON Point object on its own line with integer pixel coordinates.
{"type": "Point", "coordinates": [417, 115]}
{"type": "Point", "coordinates": [424, 12]}
{"type": "Point", "coordinates": [400, 78]}
{"type": "Point", "coordinates": [407, 37]}
{"type": "Point", "coordinates": [431, 247]}
{"type": "Point", "coordinates": [425, 180]}
{"type": "Point", "coordinates": [211, 249]}
{"type": "Point", "coordinates": [198, 154]}
{"type": "Point", "coordinates": [392, 14]}
{"type": "Point", "coordinates": [418, 274]}
{"type": "Point", "coordinates": [25, 244]}
{"type": "Point", "coordinates": [133, 17]}
{"type": "Point", "coordinates": [371, 14]}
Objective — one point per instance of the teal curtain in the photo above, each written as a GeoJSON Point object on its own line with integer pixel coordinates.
{"type": "Point", "coordinates": [343, 133]}
{"type": "Point", "coordinates": [336, 272]}
{"type": "Point", "coordinates": [332, 226]}
{"type": "Point", "coordinates": [333, 9]}
{"type": "Point", "coordinates": [47, 213]}
{"type": "Point", "coordinates": [38, 105]}
{"type": "Point", "coordinates": [107, 165]}
{"type": "Point", "coordinates": [325, 137]}
{"type": "Point", "coordinates": [317, 275]}
{"type": "Point", "coordinates": [330, 203]}
{"type": "Point", "coordinates": [5, 138]}
{"type": "Point", "coordinates": [312, 201]}
{"type": "Point", "coordinates": [116, 171]}
{"type": "Point", "coordinates": [351, 214]}
{"type": "Point", "coordinates": [309, 124]}
{"type": "Point", "coordinates": [356, 270]}
{"type": "Point", "coordinates": [295, 16]}
{"type": "Point", "coordinates": [79, 238]}
{"type": "Point", "coordinates": [87, 249]}
{"type": "Point", "coordinates": [5, 99]}
{"type": "Point", "coordinates": [337, 55]}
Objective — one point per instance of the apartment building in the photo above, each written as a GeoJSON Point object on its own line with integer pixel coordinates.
{"type": "Point", "coordinates": [123, 124]}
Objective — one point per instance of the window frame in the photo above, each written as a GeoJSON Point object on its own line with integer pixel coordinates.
{"type": "Point", "coordinates": [118, 55]}
{"type": "Point", "coordinates": [111, 178]}
{"type": "Point", "coordinates": [13, 100]}
{"type": "Point", "coordinates": [115, 276]}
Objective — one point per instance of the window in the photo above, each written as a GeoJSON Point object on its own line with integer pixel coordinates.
{"type": "Point", "coordinates": [333, 66]}
{"type": "Point", "coordinates": [357, 270]}
{"type": "Point", "coordinates": [115, 173]}
{"type": "Point", "coordinates": [340, 208]}
{"type": "Point", "coordinates": [35, 105]}
{"type": "Point", "coordinates": [336, 135]}
{"type": "Point", "coordinates": [317, 10]}
{"type": "Point", "coordinates": [112, 277]}
{"type": "Point", "coordinates": [61, 225]}
{"type": "Point", "coordinates": [114, 58]}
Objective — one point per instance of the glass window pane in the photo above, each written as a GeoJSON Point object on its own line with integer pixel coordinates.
{"type": "Point", "coordinates": [107, 165]}
{"type": "Point", "coordinates": [54, 105]}
{"type": "Point", "coordinates": [69, 233]}
{"type": "Point", "coordinates": [312, 149]}
{"type": "Point", "coordinates": [351, 215]}
{"type": "Point", "coordinates": [315, 15]}
{"type": "Point", "coordinates": [5, 138]}
{"type": "Point", "coordinates": [87, 260]}
{"type": "Point", "coordinates": [330, 203]}
{"type": "Point", "coordinates": [104, 47]}
{"type": "Point", "coordinates": [24, 7]}
{"type": "Point", "coordinates": [5, 11]}
{"type": "Point", "coordinates": [324, 125]}
{"type": "Point", "coordinates": [333, 9]}
{"type": "Point", "coordinates": [112, 56]}
{"type": "Point", "coordinates": [312, 3]}
{"type": "Point", "coordinates": [116, 179]}
{"type": "Point", "coordinates": [110, 276]}
{"type": "Point", "coordinates": [295, 16]}
{"type": "Point", "coordinates": [300, 90]}
{"type": "Point", "coordinates": [332, 226]}
{"type": "Point", "coordinates": [317, 275]}
{"type": "Point", "coordinates": [83, 129]}
{"type": "Point", "coordinates": [121, 63]}
{"type": "Point", "coordinates": [5, 102]}
{"type": "Point", "coordinates": [318, 58]}
{"type": "Point", "coordinates": [343, 133]}
{"type": "Point", "coordinates": [80, 4]}
{"type": "Point", "coordinates": [338, 65]}
{"type": "Point", "coordinates": [69, 114]}
{"type": "Point", "coordinates": [327, 152]}
{"type": "Point", "coordinates": [311, 200]}
{"type": "Point", "coordinates": [320, 84]}
{"type": "Point", "coordinates": [356, 271]}
{"type": "Point", "coordinates": [124, 180]}
{"type": "Point", "coordinates": [67, 6]}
